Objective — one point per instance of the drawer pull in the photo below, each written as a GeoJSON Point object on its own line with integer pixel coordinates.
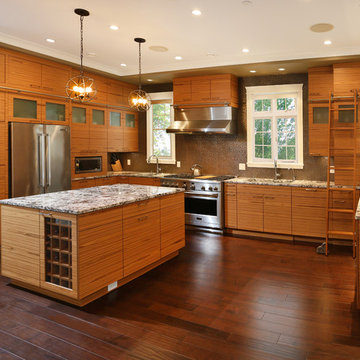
{"type": "Point", "coordinates": [142, 218]}
{"type": "Point", "coordinates": [310, 189]}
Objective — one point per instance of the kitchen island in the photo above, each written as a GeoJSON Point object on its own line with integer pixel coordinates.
{"type": "Point", "coordinates": [78, 245]}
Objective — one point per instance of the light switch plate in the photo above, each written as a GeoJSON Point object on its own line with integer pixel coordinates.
{"type": "Point", "coordinates": [112, 286]}
{"type": "Point", "coordinates": [242, 166]}
{"type": "Point", "coordinates": [332, 171]}
{"type": "Point", "coordinates": [128, 161]}
{"type": "Point", "coordinates": [178, 164]}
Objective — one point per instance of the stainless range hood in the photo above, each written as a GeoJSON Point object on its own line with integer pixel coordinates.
{"type": "Point", "coordinates": [209, 120]}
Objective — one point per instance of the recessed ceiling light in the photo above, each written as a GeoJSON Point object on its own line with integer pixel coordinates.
{"type": "Point", "coordinates": [245, 50]}
{"type": "Point", "coordinates": [196, 12]}
{"type": "Point", "coordinates": [281, 69]}
{"type": "Point", "coordinates": [322, 27]}
{"type": "Point", "coordinates": [158, 48]}
{"type": "Point", "coordinates": [50, 40]}
{"type": "Point", "coordinates": [253, 71]}
{"type": "Point", "coordinates": [150, 80]}
{"type": "Point", "coordinates": [327, 42]}
{"type": "Point", "coordinates": [247, 2]}
{"type": "Point", "coordinates": [178, 57]}
{"type": "Point", "coordinates": [114, 27]}
{"type": "Point", "coordinates": [123, 65]}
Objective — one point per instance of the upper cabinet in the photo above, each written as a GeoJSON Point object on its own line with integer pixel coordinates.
{"type": "Point", "coordinates": [346, 78]}
{"type": "Point", "coordinates": [320, 83]}
{"type": "Point", "coordinates": [2, 68]}
{"type": "Point", "coordinates": [215, 90]}
{"type": "Point", "coordinates": [54, 79]}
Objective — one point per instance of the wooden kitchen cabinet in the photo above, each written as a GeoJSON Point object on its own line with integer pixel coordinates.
{"type": "Point", "coordinates": [346, 78]}
{"type": "Point", "coordinates": [309, 212]}
{"type": "Point", "coordinates": [143, 181]}
{"type": "Point", "coordinates": [2, 68]}
{"type": "Point", "coordinates": [141, 224]}
{"type": "Point", "coordinates": [98, 130]}
{"type": "Point", "coordinates": [320, 82]}
{"type": "Point", "coordinates": [131, 132]}
{"type": "Point", "coordinates": [250, 207]}
{"type": "Point", "coordinates": [230, 206]}
{"type": "Point", "coordinates": [277, 209]}
{"type": "Point", "coordinates": [55, 111]}
{"type": "Point", "coordinates": [115, 131]}
{"type": "Point", "coordinates": [206, 90]}
{"type": "Point", "coordinates": [105, 181]}
{"type": "Point", "coordinates": [172, 224]}
{"type": "Point", "coordinates": [54, 79]}
{"type": "Point", "coordinates": [318, 129]}
{"type": "Point", "coordinates": [20, 242]}
{"type": "Point", "coordinates": [24, 108]}
{"type": "Point", "coordinates": [83, 183]}
{"type": "Point", "coordinates": [80, 129]}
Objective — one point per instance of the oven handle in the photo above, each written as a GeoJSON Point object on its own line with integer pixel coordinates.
{"type": "Point", "coordinates": [199, 195]}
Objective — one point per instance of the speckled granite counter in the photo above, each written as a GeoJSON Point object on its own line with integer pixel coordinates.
{"type": "Point", "coordinates": [90, 199]}
{"type": "Point", "coordinates": [280, 182]}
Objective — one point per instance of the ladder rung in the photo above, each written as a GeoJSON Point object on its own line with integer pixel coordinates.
{"type": "Point", "coordinates": [352, 149]}
{"type": "Point", "coordinates": [342, 109]}
{"type": "Point", "coordinates": [344, 211]}
{"type": "Point", "coordinates": [342, 128]}
{"type": "Point", "coordinates": [341, 168]}
{"type": "Point", "coordinates": [333, 232]}
{"type": "Point", "coordinates": [341, 189]}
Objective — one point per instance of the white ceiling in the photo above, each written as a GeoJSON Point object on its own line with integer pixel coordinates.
{"type": "Point", "coordinates": [273, 31]}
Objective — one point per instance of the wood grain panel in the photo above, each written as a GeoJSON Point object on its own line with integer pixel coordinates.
{"type": "Point", "coordinates": [230, 204]}
{"type": "Point", "coordinates": [346, 78]}
{"type": "Point", "coordinates": [81, 184]}
{"type": "Point", "coordinates": [172, 222]}
{"type": "Point", "coordinates": [20, 244]}
{"type": "Point", "coordinates": [200, 90]}
{"type": "Point", "coordinates": [220, 88]}
{"type": "Point", "coordinates": [277, 209]}
{"type": "Point", "coordinates": [105, 181]}
{"type": "Point", "coordinates": [54, 79]}
{"type": "Point", "coordinates": [143, 181]}
{"type": "Point", "coordinates": [182, 91]}
{"type": "Point", "coordinates": [250, 207]}
{"type": "Point", "coordinates": [320, 82]}
{"type": "Point", "coordinates": [308, 212]}
{"type": "Point", "coordinates": [141, 207]}
{"type": "Point", "coordinates": [100, 260]}
{"type": "Point", "coordinates": [2, 68]}
{"type": "Point", "coordinates": [141, 240]}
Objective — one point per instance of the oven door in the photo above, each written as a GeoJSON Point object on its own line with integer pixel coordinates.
{"type": "Point", "coordinates": [203, 209]}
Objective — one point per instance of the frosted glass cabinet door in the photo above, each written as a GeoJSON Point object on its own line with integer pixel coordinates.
{"type": "Point", "coordinates": [115, 118]}
{"type": "Point", "coordinates": [320, 115]}
{"type": "Point", "coordinates": [78, 115]}
{"type": "Point", "coordinates": [55, 111]}
{"type": "Point", "coordinates": [25, 108]}
{"type": "Point", "coordinates": [98, 117]}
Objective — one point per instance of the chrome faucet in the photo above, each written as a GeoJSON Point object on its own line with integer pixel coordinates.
{"type": "Point", "coordinates": [157, 162]}
{"type": "Point", "coordinates": [292, 174]}
{"type": "Point", "coordinates": [276, 174]}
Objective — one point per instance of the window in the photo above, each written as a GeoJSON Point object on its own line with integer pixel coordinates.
{"type": "Point", "coordinates": [275, 126]}
{"type": "Point", "coordinates": [159, 117]}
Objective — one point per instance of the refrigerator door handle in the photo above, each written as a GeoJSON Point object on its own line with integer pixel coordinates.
{"type": "Point", "coordinates": [41, 155]}
{"type": "Point", "coordinates": [48, 147]}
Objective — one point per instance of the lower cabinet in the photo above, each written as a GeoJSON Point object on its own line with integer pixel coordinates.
{"type": "Point", "coordinates": [309, 212]}
{"type": "Point", "coordinates": [230, 206]}
{"type": "Point", "coordinates": [76, 257]}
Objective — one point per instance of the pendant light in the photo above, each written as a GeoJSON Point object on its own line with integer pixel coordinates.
{"type": "Point", "coordinates": [139, 100]}
{"type": "Point", "coordinates": [81, 88]}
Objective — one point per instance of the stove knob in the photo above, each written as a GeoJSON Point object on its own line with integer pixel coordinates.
{"type": "Point", "coordinates": [203, 188]}
{"type": "Point", "coordinates": [192, 187]}
{"type": "Point", "coordinates": [215, 188]}
{"type": "Point", "coordinates": [210, 188]}
{"type": "Point", "coordinates": [184, 185]}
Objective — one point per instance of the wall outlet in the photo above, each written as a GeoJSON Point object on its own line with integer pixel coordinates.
{"type": "Point", "coordinates": [112, 286]}
{"type": "Point", "coordinates": [178, 164]}
{"type": "Point", "coordinates": [128, 161]}
{"type": "Point", "coordinates": [242, 166]}
{"type": "Point", "coordinates": [332, 171]}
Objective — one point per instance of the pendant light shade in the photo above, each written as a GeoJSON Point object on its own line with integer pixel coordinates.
{"type": "Point", "coordinates": [139, 100]}
{"type": "Point", "coordinates": [81, 88]}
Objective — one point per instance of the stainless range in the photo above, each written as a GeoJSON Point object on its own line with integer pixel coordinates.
{"type": "Point", "coordinates": [203, 198]}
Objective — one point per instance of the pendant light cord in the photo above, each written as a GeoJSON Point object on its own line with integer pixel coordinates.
{"type": "Point", "coordinates": [139, 66]}
{"type": "Point", "coordinates": [81, 45]}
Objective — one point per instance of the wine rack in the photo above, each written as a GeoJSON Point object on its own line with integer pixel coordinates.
{"type": "Point", "coordinates": [58, 252]}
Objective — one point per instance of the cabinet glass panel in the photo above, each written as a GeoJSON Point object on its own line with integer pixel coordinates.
{"type": "Point", "coordinates": [58, 252]}
{"type": "Point", "coordinates": [25, 108]}
{"type": "Point", "coordinates": [55, 111]}
{"type": "Point", "coordinates": [115, 118]}
{"type": "Point", "coordinates": [346, 116]}
{"type": "Point", "coordinates": [78, 115]}
{"type": "Point", "coordinates": [130, 120]}
{"type": "Point", "coordinates": [320, 115]}
{"type": "Point", "coordinates": [98, 117]}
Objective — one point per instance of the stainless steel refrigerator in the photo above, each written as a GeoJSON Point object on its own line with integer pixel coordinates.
{"type": "Point", "coordinates": [39, 158]}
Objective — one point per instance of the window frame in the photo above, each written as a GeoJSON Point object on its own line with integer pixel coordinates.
{"type": "Point", "coordinates": [273, 92]}
{"type": "Point", "coordinates": [149, 133]}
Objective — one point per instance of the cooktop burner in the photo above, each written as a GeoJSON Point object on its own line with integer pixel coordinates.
{"type": "Point", "coordinates": [202, 177]}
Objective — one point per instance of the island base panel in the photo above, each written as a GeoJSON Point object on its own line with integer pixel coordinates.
{"type": "Point", "coordinates": [99, 293]}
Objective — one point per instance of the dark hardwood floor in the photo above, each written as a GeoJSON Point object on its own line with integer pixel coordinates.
{"type": "Point", "coordinates": [221, 298]}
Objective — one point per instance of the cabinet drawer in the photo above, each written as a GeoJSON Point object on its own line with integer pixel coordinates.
{"type": "Point", "coordinates": [141, 207]}
{"type": "Point", "coordinates": [230, 188]}
{"type": "Point", "coordinates": [309, 197]}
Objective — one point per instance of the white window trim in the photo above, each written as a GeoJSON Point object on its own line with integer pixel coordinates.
{"type": "Point", "coordinates": [149, 138]}
{"type": "Point", "coordinates": [253, 92]}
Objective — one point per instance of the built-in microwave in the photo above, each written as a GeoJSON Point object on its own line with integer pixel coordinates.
{"type": "Point", "coordinates": [88, 164]}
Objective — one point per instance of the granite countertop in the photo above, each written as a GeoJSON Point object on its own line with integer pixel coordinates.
{"type": "Point", "coordinates": [279, 182]}
{"type": "Point", "coordinates": [124, 173]}
{"type": "Point", "coordinates": [87, 200]}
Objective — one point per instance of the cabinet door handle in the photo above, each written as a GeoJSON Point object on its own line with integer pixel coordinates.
{"type": "Point", "coordinates": [269, 197]}
{"type": "Point", "coordinates": [142, 218]}
{"type": "Point", "coordinates": [310, 189]}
